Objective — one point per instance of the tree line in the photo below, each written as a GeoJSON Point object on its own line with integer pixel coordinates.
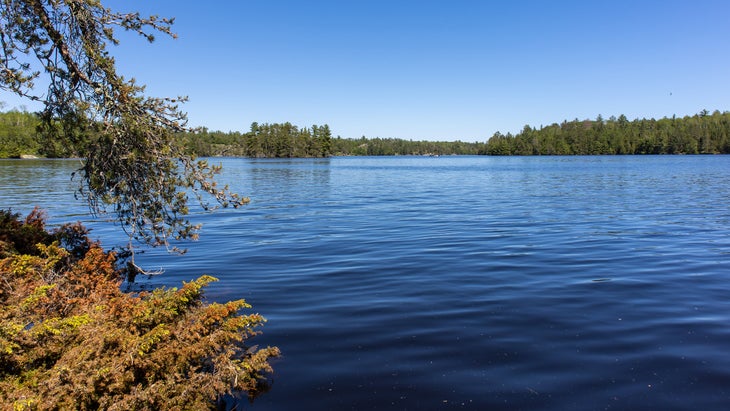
{"type": "Point", "coordinates": [18, 134]}
{"type": "Point", "coordinates": [288, 140]}
{"type": "Point", "coordinates": [703, 133]}
{"type": "Point", "coordinates": [395, 146]}
{"type": "Point", "coordinates": [262, 140]}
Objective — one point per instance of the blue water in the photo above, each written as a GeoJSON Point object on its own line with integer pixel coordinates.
{"type": "Point", "coordinates": [479, 283]}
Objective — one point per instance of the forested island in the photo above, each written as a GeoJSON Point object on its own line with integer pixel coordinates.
{"type": "Point", "coordinates": [287, 140]}
{"type": "Point", "coordinates": [703, 133]}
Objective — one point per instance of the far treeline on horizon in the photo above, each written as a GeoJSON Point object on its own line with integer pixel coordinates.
{"type": "Point", "coordinates": [703, 133]}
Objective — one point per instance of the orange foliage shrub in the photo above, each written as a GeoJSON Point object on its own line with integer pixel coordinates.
{"type": "Point", "coordinates": [71, 339]}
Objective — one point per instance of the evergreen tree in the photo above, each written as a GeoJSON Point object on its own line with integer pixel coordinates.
{"type": "Point", "coordinates": [703, 133]}
{"type": "Point", "coordinates": [132, 162]}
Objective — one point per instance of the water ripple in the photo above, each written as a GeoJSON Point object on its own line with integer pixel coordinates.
{"type": "Point", "coordinates": [553, 283]}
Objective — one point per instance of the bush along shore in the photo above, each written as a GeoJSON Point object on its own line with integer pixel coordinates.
{"type": "Point", "coordinates": [70, 338]}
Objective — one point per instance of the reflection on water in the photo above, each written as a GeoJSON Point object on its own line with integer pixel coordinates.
{"type": "Point", "coordinates": [270, 178]}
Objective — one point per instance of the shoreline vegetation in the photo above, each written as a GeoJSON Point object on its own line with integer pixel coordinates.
{"type": "Point", "coordinates": [72, 338]}
{"type": "Point", "coordinates": [702, 133]}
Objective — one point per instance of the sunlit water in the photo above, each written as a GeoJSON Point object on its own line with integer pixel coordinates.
{"type": "Point", "coordinates": [532, 283]}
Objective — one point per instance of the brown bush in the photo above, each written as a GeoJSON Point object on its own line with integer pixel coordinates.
{"type": "Point", "coordinates": [70, 338]}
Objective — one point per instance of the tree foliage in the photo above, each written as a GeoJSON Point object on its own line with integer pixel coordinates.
{"type": "Point", "coordinates": [18, 134]}
{"type": "Point", "coordinates": [70, 339]}
{"type": "Point", "coordinates": [288, 140]}
{"type": "Point", "coordinates": [263, 140]}
{"type": "Point", "coordinates": [399, 147]}
{"type": "Point", "coordinates": [132, 164]}
{"type": "Point", "coordinates": [703, 133]}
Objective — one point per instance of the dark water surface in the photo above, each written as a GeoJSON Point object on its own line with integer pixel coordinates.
{"type": "Point", "coordinates": [512, 283]}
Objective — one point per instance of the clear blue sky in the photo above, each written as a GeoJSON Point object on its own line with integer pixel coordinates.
{"type": "Point", "coordinates": [435, 70]}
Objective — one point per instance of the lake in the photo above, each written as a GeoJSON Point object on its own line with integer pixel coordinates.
{"type": "Point", "coordinates": [478, 283]}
